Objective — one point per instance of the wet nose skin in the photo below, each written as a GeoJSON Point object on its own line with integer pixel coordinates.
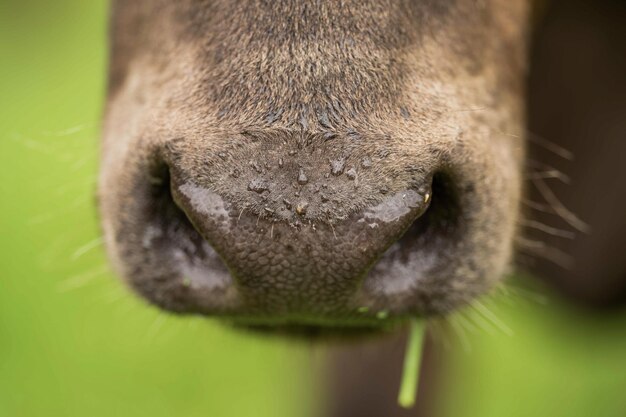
{"type": "Point", "coordinates": [298, 269]}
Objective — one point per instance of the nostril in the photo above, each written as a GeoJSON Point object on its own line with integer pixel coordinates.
{"type": "Point", "coordinates": [165, 211]}
{"type": "Point", "coordinates": [168, 213]}
{"type": "Point", "coordinates": [196, 272]}
{"type": "Point", "coordinates": [439, 222]}
{"type": "Point", "coordinates": [444, 214]}
{"type": "Point", "coordinates": [426, 246]}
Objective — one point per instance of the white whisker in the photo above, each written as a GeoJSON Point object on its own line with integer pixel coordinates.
{"type": "Point", "coordinates": [69, 131]}
{"type": "Point", "coordinates": [87, 247]}
{"type": "Point", "coordinates": [82, 182]}
{"type": "Point", "coordinates": [44, 217]}
{"type": "Point", "coordinates": [533, 224]}
{"type": "Point", "coordinates": [544, 208]}
{"type": "Point", "coordinates": [155, 327]}
{"type": "Point", "coordinates": [439, 334]}
{"type": "Point", "coordinates": [78, 281]}
{"type": "Point", "coordinates": [116, 294]}
{"type": "Point", "coordinates": [489, 315]}
{"type": "Point", "coordinates": [527, 294]}
{"type": "Point", "coordinates": [558, 207]}
{"type": "Point", "coordinates": [550, 146]}
{"type": "Point", "coordinates": [541, 249]}
{"type": "Point", "coordinates": [42, 147]}
{"type": "Point", "coordinates": [482, 324]}
{"type": "Point", "coordinates": [459, 330]}
{"type": "Point", "coordinates": [465, 322]}
{"type": "Point", "coordinates": [550, 174]}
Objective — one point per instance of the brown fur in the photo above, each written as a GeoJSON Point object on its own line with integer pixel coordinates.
{"type": "Point", "coordinates": [283, 125]}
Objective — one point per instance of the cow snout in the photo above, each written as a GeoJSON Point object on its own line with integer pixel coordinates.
{"type": "Point", "coordinates": [286, 232]}
{"type": "Point", "coordinates": [272, 232]}
{"type": "Point", "coordinates": [286, 263]}
{"type": "Point", "coordinates": [276, 232]}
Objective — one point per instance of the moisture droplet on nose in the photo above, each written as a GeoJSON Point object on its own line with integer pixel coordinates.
{"type": "Point", "coordinates": [337, 166]}
{"type": "Point", "coordinates": [396, 207]}
{"type": "Point", "coordinates": [301, 208]}
{"type": "Point", "coordinates": [353, 134]}
{"type": "Point", "coordinates": [302, 178]}
{"type": "Point", "coordinates": [258, 186]}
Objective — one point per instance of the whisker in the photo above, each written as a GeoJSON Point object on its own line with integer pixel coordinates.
{"type": "Point", "coordinates": [548, 175]}
{"type": "Point", "coordinates": [502, 295]}
{"type": "Point", "coordinates": [559, 208]}
{"type": "Point", "coordinates": [69, 131]}
{"type": "Point", "coordinates": [87, 247]}
{"type": "Point", "coordinates": [80, 280]}
{"type": "Point", "coordinates": [124, 310]}
{"type": "Point", "coordinates": [118, 293]}
{"type": "Point", "coordinates": [544, 208]}
{"type": "Point", "coordinates": [154, 328]}
{"type": "Point", "coordinates": [81, 162]}
{"type": "Point", "coordinates": [553, 231]}
{"type": "Point", "coordinates": [505, 295]}
{"type": "Point", "coordinates": [527, 294]}
{"type": "Point", "coordinates": [480, 322]}
{"type": "Point", "coordinates": [330, 223]}
{"type": "Point", "coordinates": [489, 315]}
{"type": "Point", "coordinates": [439, 334]}
{"type": "Point", "coordinates": [536, 167]}
{"type": "Point", "coordinates": [550, 146]}
{"type": "Point", "coordinates": [70, 185]}
{"type": "Point", "coordinates": [544, 143]}
{"type": "Point", "coordinates": [44, 147]}
{"type": "Point", "coordinates": [44, 217]}
{"type": "Point", "coordinates": [460, 332]}
{"type": "Point", "coordinates": [542, 250]}
{"type": "Point", "coordinates": [240, 213]}
{"type": "Point", "coordinates": [465, 322]}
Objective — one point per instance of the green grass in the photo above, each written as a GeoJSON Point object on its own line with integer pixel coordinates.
{"type": "Point", "coordinates": [411, 370]}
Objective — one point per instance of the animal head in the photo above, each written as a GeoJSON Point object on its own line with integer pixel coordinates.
{"type": "Point", "coordinates": [331, 163]}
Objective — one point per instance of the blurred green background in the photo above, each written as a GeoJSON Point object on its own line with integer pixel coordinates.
{"type": "Point", "coordinates": [74, 342]}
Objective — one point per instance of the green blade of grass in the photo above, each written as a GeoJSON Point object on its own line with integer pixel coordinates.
{"type": "Point", "coordinates": [412, 359]}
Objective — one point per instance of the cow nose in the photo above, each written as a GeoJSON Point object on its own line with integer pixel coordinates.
{"type": "Point", "coordinates": [289, 263]}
